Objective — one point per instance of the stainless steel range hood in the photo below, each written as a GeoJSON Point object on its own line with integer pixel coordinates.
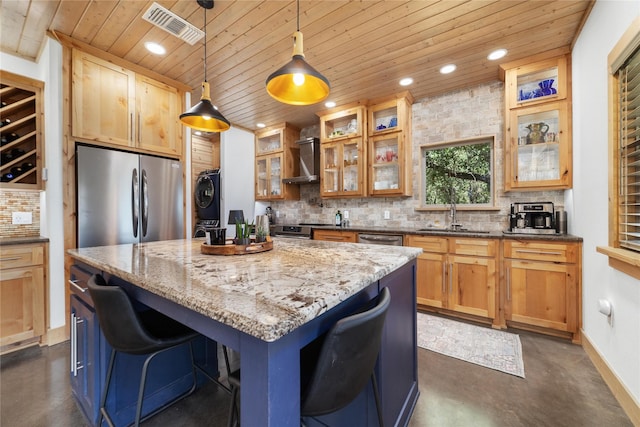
{"type": "Point", "coordinates": [309, 162]}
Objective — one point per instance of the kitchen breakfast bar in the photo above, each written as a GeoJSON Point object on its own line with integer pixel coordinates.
{"type": "Point", "coordinates": [268, 305]}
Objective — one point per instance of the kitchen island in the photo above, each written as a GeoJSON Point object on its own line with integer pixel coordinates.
{"type": "Point", "coordinates": [269, 305]}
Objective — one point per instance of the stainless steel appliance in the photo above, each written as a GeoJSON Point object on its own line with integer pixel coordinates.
{"type": "Point", "coordinates": [532, 218]}
{"type": "Point", "coordinates": [126, 197]}
{"type": "Point", "coordinates": [380, 239]}
{"type": "Point", "coordinates": [309, 162]}
{"type": "Point", "coordinates": [292, 231]}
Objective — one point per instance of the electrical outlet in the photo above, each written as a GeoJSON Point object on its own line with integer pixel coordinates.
{"type": "Point", "coordinates": [277, 214]}
{"type": "Point", "coordinates": [21, 218]}
{"type": "Point", "coordinates": [387, 215]}
{"type": "Point", "coordinates": [346, 215]}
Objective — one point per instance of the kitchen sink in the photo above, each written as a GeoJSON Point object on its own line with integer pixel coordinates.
{"type": "Point", "coordinates": [451, 230]}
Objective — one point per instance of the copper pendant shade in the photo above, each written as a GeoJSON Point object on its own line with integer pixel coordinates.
{"type": "Point", "coordinates": [298, 83]}
{"type": "Point", "coordinates": [204, 116]}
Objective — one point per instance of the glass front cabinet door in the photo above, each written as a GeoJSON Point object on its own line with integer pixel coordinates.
{"type": "Point", "coordinates": [342, 167]}
{"type": "Point", "coordinates": [269, 177]}
{"type": "Point", "coordinates": [538, 149]}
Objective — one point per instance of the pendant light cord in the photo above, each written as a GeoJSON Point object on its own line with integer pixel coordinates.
{"type": "Point", "coordinates": [298, 15]}
{"type": "Point", "coordinates": [205, 44]}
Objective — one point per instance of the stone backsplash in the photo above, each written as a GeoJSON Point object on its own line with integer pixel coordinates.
{"type": "Point", "coordinates": [468, 113]}
{"type": "Point", "coordinates": [19, 201]}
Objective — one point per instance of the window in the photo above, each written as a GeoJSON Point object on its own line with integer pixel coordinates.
{"type": "Point", "coordinates": [628, 106]}
{"type": "Point", "coordinates": [624, 151]}
{"type": "Point", "coordinates": [459, 172]}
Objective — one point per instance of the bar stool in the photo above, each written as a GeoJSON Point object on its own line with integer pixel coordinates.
{"type": "Point", "coordinates": [341, 364]}
{"type": "Point", "coordinates": [127, 331]}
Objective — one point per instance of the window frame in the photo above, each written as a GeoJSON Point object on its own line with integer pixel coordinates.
{"type": "Point", "coordinates": [624, 260]}
{"type": "Point", "coordinates": [491, 140]}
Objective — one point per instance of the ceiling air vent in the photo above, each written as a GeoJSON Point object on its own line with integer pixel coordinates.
{"type": "Point", "coordinates": [172, 23]}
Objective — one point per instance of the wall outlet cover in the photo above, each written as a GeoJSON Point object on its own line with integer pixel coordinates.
{"type": "Point", "coordinates": [387, 215]}
{"type": "Point", "coordinates": [21, 218]}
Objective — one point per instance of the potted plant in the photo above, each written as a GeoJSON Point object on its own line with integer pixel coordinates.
{"type": "Point", "coordinates": [243, 233]}
{"type": "Point", "coordinates": [261, 234]}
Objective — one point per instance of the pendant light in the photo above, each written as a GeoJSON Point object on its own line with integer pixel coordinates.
{"type": "Point", "coordinates": [204, 116]}
{"type": "Point", "coordinates": [298, 83]}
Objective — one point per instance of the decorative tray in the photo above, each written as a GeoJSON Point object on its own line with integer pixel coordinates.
{"type": "Point", "coordinates": [232, 249]}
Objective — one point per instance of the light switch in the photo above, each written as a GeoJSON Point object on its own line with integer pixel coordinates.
{"type": "Point", "coordinates": [21, 218]}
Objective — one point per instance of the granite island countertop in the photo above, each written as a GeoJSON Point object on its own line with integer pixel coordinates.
{"type": "Point", "coordinates": [266, 295]}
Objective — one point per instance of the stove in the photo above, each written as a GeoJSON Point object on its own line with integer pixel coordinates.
{"type": "Point", "coordinates": [300, 231]}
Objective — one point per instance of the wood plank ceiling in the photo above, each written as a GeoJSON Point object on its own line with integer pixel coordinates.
{"type": "Point", "coordinates": [363, 47]}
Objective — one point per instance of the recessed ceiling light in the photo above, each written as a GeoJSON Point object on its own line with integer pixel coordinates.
{"type": "Point", "coordinates": [406, 81]}
{"type": "Point", "coordinates": [260, 125]}
{"type": "Point", "coordinates": [329, 104]}
{"type": "Point", "coordinates": [156, 48]}
{"type": "Point", "coordinates": [497, 54]}
{"type": "Point", "coordinates": [449, 68]}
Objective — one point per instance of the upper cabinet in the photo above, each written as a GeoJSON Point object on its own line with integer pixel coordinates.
{"type": "Point", "coordinates": [114, 105]}
{"type": "Point", "coordinates": [21, 115]}
{"type": "Point", "coordinates": [343, 153]}
{"type": "Point", "coordinates": [538, 125]}
{"type": "Point", "coordinates": [366, 150]}
{"type": "Point", "coordinates": [389, 146]}
{"type": "Point", "coordinates": [277, 157]}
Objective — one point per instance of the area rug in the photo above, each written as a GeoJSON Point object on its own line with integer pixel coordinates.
{"type": "Point", "coordinates": [483, 346]}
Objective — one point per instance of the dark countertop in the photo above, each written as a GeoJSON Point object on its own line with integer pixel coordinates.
{"type": "Point", "coordinates": [22, 240]}
{"type": "Point", "coordinates": [446, 233]}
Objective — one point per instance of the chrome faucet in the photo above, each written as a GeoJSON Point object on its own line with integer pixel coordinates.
{"type": "Point", "coordinates": [453, 214]}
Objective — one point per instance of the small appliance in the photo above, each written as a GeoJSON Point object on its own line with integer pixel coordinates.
{"type": "Point", "coordinates": [532, 217]}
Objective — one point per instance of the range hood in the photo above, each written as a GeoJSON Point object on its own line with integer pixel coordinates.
{"type": "Point", "coordinates": [309, 162]}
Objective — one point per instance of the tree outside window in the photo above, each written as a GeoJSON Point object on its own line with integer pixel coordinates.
{"type": "Point", "coordinates": [458, 172]}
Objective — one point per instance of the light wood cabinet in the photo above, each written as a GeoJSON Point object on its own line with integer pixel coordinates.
{"type": "Point", "coordinates": [22, 146]}
{"type": "Point", "coordinates": [538, 125]}
{"type": "Point", "coordinates": [457, 274]}
{"type": "Point", "coordinates": [22, 295]}
{"type": "Point", "coordinates": [389, 146]}
{"type": "Point", "coordinates": [343, 152]}
{"type": "Point", "coordinates": [542, 286]}
{"type": "Point", "coordinates": [114, 105]}
{"type": "Point", "coordinates": [277, 157]}
{"type": "Point", "coordinates": [335, 235]}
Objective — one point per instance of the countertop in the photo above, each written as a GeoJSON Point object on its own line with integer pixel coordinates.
{"type": "Point", "coordinates": [266, 295]}
{"type": "Point", "coordinates": [448, 233]}
{"type": "Point", "coordinates": [22, 240]}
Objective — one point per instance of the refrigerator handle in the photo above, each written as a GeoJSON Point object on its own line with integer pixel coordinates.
{"type": "Point", "coordinates": [135, 201]}
{"type": "Point", "coordinates": [145, 204]}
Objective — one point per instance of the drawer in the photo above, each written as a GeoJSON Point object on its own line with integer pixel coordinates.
{"type": "Point", "coordinates": [541, 251]}
{"type": "Point", "coordinates": [474, 247]}
{"type": "Point", "coordinates": [427, 243]}
{"type": "Point", "coordinates": [21, 255]}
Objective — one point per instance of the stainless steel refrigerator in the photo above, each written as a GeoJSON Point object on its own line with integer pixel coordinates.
{"type": "Point", "coordinates": [126, 197]}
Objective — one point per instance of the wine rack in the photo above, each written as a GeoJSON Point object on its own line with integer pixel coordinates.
{"type": "Point", "coordinates": [20, 132]}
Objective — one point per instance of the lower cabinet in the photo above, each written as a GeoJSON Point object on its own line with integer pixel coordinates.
{"type": "Point", "coordinates": [22, 295]}
{"type": "Point", "coordinates": [542, 282]}
{"type": "Point", "coordinates": [335, 235]}
{"type": "Point", "coordinates": [457, 274]}
{"type": "Point", "coordinates": [169, 374]}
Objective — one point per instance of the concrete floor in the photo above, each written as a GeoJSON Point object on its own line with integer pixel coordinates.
{"type": "Point", "coordinates": [561, 388]}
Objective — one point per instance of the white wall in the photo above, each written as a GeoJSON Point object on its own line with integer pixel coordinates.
{"type": "Point", "coordinates": [237, 151]}
{"type": "Point", "coordinates": [49, 70]}
{"type": "Point", "coordinates": [619, 341]}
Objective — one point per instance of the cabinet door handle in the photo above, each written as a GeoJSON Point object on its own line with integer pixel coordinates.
{"type": "Point", "coordinates": [444, 277]}
{"type": "Point", "coordinates": [508, 284]}
{"type": "Point", "coordinates": [131, 134]}
{"type": "Point", "coordinates": [74, 283]}
{"type": "Point", "coordinates": [75, 366]}
{"type": "Point", "coordinates": [15, 258]}
{"type": "Point", "coordinates": [531, 251]}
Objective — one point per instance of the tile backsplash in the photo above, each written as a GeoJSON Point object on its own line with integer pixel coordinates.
{"type": "Point", "coordinates": [19, 201]}
{"type": "Point", "coordinates": [468, 113]}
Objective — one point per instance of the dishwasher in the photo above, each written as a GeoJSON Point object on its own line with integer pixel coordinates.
{"type": "Point", "coordinates": [381, 239]}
